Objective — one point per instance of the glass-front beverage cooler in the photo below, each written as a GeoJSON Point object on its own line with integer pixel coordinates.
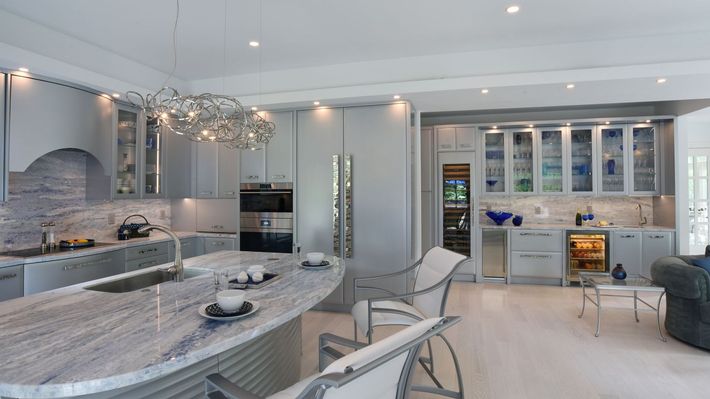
{"type": "Point", "coordinates": [587, 251]}
{"type": "Point", "coordinates": [456, 219]}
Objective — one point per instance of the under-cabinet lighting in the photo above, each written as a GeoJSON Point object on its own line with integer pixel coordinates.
{"type": "Point", "coordinates": [648, 121]}
{"type": "Point", "coordinates": [396, 96]}
{"type": "Point", "coordinates": [254, 43]}
{"type": "Point", "coordinates": [495, 127]}
{"type": "Point", "coordinates": [254, 108]}
{"type": "Point", "coordinates": [484, 91]}
{"type": "Point", "coordinates": [661, 80]}
{"type": "Point", "coordinates": [607, 122]}
{"type": "Point", "coordinates": [116, 95]}
{"type": "Point", "coordinates": [316, 102]}
{"type": "Point", "coordinates": [23, 69]}
{"type": "Point", "coordinates": [531, 125]}
{"type": "Point", "coordinates": [568, 124]}
{"type": "Point", "coordinates": [104, 95]}
{"type": "Point", "coordinates": [570, 86]}
{"type": "Point", "coordinates": [512, 9]}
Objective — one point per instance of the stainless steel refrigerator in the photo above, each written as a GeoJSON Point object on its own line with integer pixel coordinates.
{"type": "Point", "coordinates": [354, 190]}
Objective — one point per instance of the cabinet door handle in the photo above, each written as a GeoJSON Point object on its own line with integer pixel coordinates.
{"type": "Point", "coordinates": [252, 177]}
{"type": "Point", "coordinates": [145, 251]}
{"type": "Point", "coordinates": [465, 145]}
{"type": "Point", "coordinates": [278, 176]}
{"type": "Point", "coordinates": [657, 236]}
{"type": "Point", "coordinates": [536, 234]}
{"type": "Point", "coordinates": [218, 244]}
{"type": "Point", "coordinates": [628, 236]}
{"type": "Point", "coordinates": [217, 226]}
{"type": "Point", "coordinates": [205, 192]}
{"type": "Point", "coordinates": [536, 256]}
{"type": "Point", "coordinates": [229, 193]}
{"type": "Point", "coordinates": [8, 276]}
{"type": "Point", "coordinates": [86, 264]}
{"type": "Point", "coordinates": [149, 263]}
{"type": "Point", "coordinates": [444, 145]}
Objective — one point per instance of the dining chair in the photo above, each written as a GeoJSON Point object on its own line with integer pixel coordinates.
{"type": "Point", "coordinates": [383, 370]}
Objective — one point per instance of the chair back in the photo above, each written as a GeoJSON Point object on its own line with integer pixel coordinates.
{"type": "Point", "coordinates": [381, 370]}
{"type": "Point", "coordinates": [437, 265]}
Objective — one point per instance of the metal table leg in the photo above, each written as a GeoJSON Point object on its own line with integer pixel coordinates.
{"type": "Point", "coordinates": [658, 317]}
{"type": "Point", "coordinates": [599, 312]}
{"type": "Point", "coordinates": [584, 297]}
{"type": "Point", "coordinates": [636, 307]}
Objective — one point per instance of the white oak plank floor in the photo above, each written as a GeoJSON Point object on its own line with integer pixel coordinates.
{"type": "Point", "coordinates": [522, 341]}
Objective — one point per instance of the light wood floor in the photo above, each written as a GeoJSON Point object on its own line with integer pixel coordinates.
{"type": "Point", "coordinates": [520, 341]}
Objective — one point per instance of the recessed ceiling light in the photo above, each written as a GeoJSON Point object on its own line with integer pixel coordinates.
{"type": "Point", "coordinates": [484, 91]}
{"type": "Point", "coordinates": [531, 125]}
{"type": "Point", "coordinates": [607, 122]}
{"type": "Point", "coordinates": [495, 127]}
{"type": "Point", "coordinates": [661, 80]}
{"type": "Point", "coordinates": [512, 9]}
{"type": "Point", "coordinates": [316, 102]}
{"type": "Point", "coordinates": [396, 96]}
{"type": "Point", "coordinates": [570, 86]}
{"type": "Point", "coordinates": [568, 124]}
{"type": "Point", "coordinates": [23, 69]}
{"type": "Point", "coordinates": [254, 108]}
{"type": "Point", "coordinates": [116, 95]}
{"type": "Point", "coordinates": [105, 95]}
{"type": "Point", "coordinates": [254, 43]}
{"type": "Point", "coordinates": [648, 121]}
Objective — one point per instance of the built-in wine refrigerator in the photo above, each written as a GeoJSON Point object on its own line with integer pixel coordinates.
{"type": "Point", "coordinates": [587, 251]}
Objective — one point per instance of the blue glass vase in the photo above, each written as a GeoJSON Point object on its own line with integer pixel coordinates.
{"type": "Point", "coordinates": [518, 220]}
{"type": "Point", "coordinates": [618, 273]}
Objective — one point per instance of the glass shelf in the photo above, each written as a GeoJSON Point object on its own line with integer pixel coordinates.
{"type": "Point", "coordinates": [126, 153]}
{"type": "Point", "coordinates": [495, 162]}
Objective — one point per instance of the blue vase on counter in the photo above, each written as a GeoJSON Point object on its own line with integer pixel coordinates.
{"type": "Point", "coordinates": [618, 273]}
{"type": "Point", "coordinates": [518, 220]}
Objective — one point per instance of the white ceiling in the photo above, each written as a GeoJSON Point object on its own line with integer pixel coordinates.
{"type": "Point", "coordinates": [307, 33]}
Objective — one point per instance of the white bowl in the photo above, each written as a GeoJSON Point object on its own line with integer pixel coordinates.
{"type": "Point", "coordinates": [230, 300]}
{"type": "Point", "coordinates": [315, 258]}
{"type": "Point", "coordinates": [256, 268]}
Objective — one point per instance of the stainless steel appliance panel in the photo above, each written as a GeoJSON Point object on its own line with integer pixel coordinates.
{"type": "Point", "coordinates": [494, 253]}
{"type": "Point", "coordinates": [11, 282]}
{"type": "Point", "coordinates": [375, 238]}
{"type": "Point", "coordinates": [44, 276]}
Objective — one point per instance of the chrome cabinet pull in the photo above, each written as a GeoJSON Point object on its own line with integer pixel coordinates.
{"type": "Point", "coordinates": [8, 276]}
{"type": "Point", "coordinates": [217, 226]}
{"type": "Point", "coordinates": [536, 256]}
{"type": "Point", "coordinates": [229, 193]}
{"type": "Point", "coordinates": [336, 205]}
{"type": "Point", "coordinates": [444, 145]}
{"type": "Point", "coordinates": [657, 236]}
{"type": "Point", "coordinates": [86, 264]}
{"type": "Point", "coordinates": [145, 251]}
{"type": "Point", "coordinates": [253, 177]}
{"type": "Point", "coordinates": [218, 243]}
{"type": "Point", "coordinates": [205, 192]}
{"type": "Point", "coordinates": [348, 181]}
{"type": "Point", "coordinates": [278, 176]}
{"type": "Point", "coordinates": [628, 236]}
{"type": "Point", "coordinates": [536, 234]}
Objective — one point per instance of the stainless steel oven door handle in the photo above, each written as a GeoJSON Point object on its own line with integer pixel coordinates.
{"type": "Point", "coordinates": [336, 205]}
{"type": "Point", "coordinates": [265, 192]}
{"type": "Point", "coordinates": [348, 181]}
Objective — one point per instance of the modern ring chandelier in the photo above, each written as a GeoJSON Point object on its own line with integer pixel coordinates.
{"type": "Point", "coordinates": [205, 117]}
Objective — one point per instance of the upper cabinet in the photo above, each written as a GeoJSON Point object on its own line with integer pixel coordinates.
{"type": "Point", "coordinates": [581, 148]}
{"type": "Point", "coordinates": [272, 163]}
{"type": "Point", "coordinates": [179, 173]}
{"type": "Point", "coordinates": [612, 159]}
{"type": "Point", "coordinates": [456, 138]}
{"type": "Point", "coordinates": [154, 152]}
{"type": "Point", "coordinates": [227, 172]}
{"type": "Point", "coordinates": [2, 135]}
{"type": "Point", "coordinates": [551, 149]}
{"type": "Point", "coordinates": [216, 171]}
{"type": "Point", "coordinates": [128, 137]}
{"type": "Point", "coordinates": [644, 159]}
{"type": "Point", "coordinates": [494, 162]}
{"type": "Point", "coordinates": [522, 167]}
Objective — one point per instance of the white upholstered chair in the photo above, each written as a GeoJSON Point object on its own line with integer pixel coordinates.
{"type": "Point", "coordinates": [382, 370]}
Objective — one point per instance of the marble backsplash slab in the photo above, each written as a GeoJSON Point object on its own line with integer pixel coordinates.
{"type": "Point", "coordinates": [562, 209]}
{"type": "Point", "coordinates": [53, 188]}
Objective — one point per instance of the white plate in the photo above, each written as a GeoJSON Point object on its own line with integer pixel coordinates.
{"type": "Point", "coordinates": [329, 265]}
{"type": "Point", "coordinates": [203, 312]}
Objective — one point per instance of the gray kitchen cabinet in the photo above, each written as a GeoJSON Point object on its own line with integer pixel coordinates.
{"type": "Point", "coordinates": [536, 256]}
{"type": "Point", "coordinates": [214, 244]}
{"type": "Point", "coordinates": [189, 247]}
{"type": "Point", "coordinates": [253, 165]}
{"type": "Point", "coordinates": [656, 244]}
{"type": "Point", "coordinates": [178, 165]}
{"type": "Point", "coordinates": [78, 118]}
{"type": "Point", "coordinates": [465, 138]}
{"type": "Point", "coordinates": [446, 139]}
{"type": "Point", "coordinates": [128, 168]}
{"type": "Point", "coordinates": [537, 240]}
{"type": "Point", "coordinates": [227, 172]}
{"type": "Point", "coordinates": [427, 144]}
{"type": "Point", "coordinates": [44, 276]}
{"type": "Point", "coordinates": [217, 215]}
{"type": "Point", "coordinates": [3, 85]}
{"type": "Point", "coordinates": [206, 164]}
{"type": "Point", "coordinates": [143, 263]}
{"type": "Point", "coordinates": [146, 251]}
{"type": "Point", "coordinates": [626, 249]}
{"type": "Point", "coordinates": [279, 151]}
{"type": "Point", "coordinates": [11, 282]}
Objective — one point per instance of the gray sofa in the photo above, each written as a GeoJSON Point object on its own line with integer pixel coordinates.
{"type": "Point", "coordinates": [687, 298]}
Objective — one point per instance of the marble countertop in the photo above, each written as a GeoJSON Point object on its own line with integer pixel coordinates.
{"type": "Point", "coordinates": [531, 226]}
{"type": "Point", "coordinates": [72, 341]}
{"type": "Point", "coordinates": [155, 237]}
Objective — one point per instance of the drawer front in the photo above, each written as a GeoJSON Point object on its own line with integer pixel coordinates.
{"type": "Point", "coordinates": [11, 282]}
{"type": "Point", "coordinates": [536, 240]}
{"type": "Point", "coordinates": [145, 251]}
{"type": "Point", "coordinates": [218, 244]}
{"type": "Point", "coordinates": [46, 276]}
{"type": "Point", "coordinates": [138, 264]}
{"type": "Point", "coordinates": [536, 264]}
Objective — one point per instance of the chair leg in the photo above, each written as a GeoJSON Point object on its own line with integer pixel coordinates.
{"type": "Point", "coordinates": [355, 330]}
{"type": "Point", "coordinates": [439, 389]}
{"type": "Point", "coordinates": [431, 355]}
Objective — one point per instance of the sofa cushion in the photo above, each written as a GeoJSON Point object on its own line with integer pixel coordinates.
{"type": "Point", "coordinates": [702, 262]}
{"type": "Point", "coordinates": [681, 278]}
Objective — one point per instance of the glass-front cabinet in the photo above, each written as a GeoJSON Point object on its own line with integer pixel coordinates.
{"type": "Point", "coordinates": [581, 164]}
{"type": "Point", "coordinates": [128, 135]}
{"type": "Point", "coordinates": [154, 154]}
{"type": "Point", "coordinates": [552, 169]}
{"type": "Point", "coordinates": [494, 161]}
{"type": "Point", "coordinates": [523, 161]}
{"type": "Point", "coordinates": [644, 159]}
{"type": "Point", "coordinates": [613, 165]}
{"type": "Point", "coordinates": [456, 210]}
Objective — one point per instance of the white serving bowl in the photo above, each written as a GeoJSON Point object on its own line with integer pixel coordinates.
{"type": "Point", "coordinates": [256, 268]}
{"type": "Point", "coordinates": [315, 258]}
{"type": "Point", "coordinates": [230, 300]}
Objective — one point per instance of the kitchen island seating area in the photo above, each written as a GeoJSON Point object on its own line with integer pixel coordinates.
{"type": "Point", "coordinates": [382, 370]}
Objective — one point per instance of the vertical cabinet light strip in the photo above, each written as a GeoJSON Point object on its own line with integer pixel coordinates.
{"type": "Point", "coordinates": [348, 207]}
{"type": "Point", "coordinates": [336, 205]}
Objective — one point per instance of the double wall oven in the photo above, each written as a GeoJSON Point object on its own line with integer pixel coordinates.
{"type": "Point", "coordinates": [266, 217]}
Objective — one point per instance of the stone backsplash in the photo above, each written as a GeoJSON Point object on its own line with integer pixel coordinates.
{"type": "Point", "coordinates": [53, 188]}
{"type": "Point", "coordinates": [562, 209]}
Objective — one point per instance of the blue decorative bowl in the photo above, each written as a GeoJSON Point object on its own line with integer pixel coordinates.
{"type": "Point", "coordinates": [518, 220]}
{"type": "Point", "coordinates": [499, 216]}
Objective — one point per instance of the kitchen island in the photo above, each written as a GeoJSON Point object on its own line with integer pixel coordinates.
{"type": "Point", "coordinates": [152, 342]}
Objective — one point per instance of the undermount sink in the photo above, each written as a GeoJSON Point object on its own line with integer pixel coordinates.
{"type": "Point", "coordinates": [137, 282]}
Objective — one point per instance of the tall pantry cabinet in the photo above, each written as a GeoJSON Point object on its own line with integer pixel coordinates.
{"type": "Point", "coordinates": [354, 183]}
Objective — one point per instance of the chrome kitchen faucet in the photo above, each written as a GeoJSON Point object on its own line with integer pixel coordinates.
{"type": "Point", "coordinates": [176, 269]}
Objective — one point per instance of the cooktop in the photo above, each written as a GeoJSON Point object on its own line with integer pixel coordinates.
{"type": "Point", "coordinates": [30, 252]}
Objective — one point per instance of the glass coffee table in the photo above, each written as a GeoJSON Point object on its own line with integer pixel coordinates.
{"type": "Point", "coordinates": [605, 285]}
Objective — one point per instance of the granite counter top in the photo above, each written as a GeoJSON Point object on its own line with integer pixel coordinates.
{"type": "Point", "coordinates": [72, 341]}
{"type": "Point", "coordinates": [155, 237]}
{"type": "Point", "coordinates": [531, 226]}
